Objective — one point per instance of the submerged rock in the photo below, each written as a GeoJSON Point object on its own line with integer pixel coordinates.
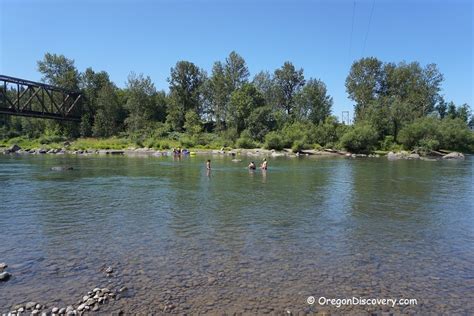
{"type": "Point", "coordinates": [454, 155]}
{"type": "Point", "coordinates": [4, 276]}
{"type": "Point", "coordinates": [62, 168]}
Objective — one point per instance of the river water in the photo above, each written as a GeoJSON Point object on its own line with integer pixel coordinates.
{"type": "Point", "coordinates": [238, 241]}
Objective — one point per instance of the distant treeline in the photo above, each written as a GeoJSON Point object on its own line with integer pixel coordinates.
{"type": "Point", "coordinates": [396, 105]}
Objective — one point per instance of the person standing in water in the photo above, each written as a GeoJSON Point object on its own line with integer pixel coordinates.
{"type": "Point", "coordinates": [264, 165]}
{"type": "Point", "coordinates": [252, 166]}
{"type": "Point", "coordinates": [208, 164]}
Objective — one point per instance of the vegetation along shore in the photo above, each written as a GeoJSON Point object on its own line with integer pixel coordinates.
{"type": "Point", "coordinates": [397, 106]}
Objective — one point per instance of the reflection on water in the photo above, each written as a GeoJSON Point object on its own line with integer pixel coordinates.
{"type": "Point", "coordinates": [238, 241]}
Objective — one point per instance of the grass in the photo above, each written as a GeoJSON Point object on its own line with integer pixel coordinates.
{"type": "Point", "coordinates": [112, 143]}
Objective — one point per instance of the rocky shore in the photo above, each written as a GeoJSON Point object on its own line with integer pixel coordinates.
{"type": "Point", "coordinates": [90, 302]}
{"type": "Point", "coordinates": [260, 152]}
{"type": "Point", "coordinates": [432, 156]}
{"type": "Point", "coordinates": [15, 149]}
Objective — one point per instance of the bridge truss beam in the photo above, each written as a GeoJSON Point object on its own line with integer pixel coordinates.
{"type": "Point", "coordinates": [28, 98]}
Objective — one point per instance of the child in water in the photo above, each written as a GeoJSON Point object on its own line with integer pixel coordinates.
{"type": "Point", "coordinates": [208, 164]}
{"type": "Point", "coordinates": [264, 166]}
{"type": "Point", "coordinates": [252, 166]}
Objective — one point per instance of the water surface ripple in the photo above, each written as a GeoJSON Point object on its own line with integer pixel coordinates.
{"type": "Point", "coordinates": [238, 241]}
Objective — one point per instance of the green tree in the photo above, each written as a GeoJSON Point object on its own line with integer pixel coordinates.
{"type": "Point", "coordinates": [265, 84]}
{"type": "Point", "coordinates": [140, 103]}
{"type": "Point", "coordinates": [192, 123]}
{"type": "Point", "coordinates": [109, 115]}
{"type": "Point", "coordinates": [217, 94]}
{"type": "Point", "coordinates": [236, 71]}
{"type": "Point", "coordinates": [452, 110]}
{"type": "Point", "coordinates": [313, 102]}
{"type": "Point", "coordinates": [59, 71]}
{"type": "Point", "coordinates": [186, 81]}
{"type": "Point", "coordinates": [442, 108]}
{"type": "Point", "coordinates": [91, 84]}
{"type": "Point", "coordinates": [242, 102]}
{"type": "Point", "coordinates": [260, 122]}
{"type": "Point", "coordinates": [364, 84]}
{"type": "Point", "coordinates": [463, 112]}
{"type": "Point", "coordinates": [289, 82]}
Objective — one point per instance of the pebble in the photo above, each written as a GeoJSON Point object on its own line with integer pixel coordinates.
{"type": "Point", "coordinates": [123, 289]}
{"type": "Point", "coordinates": [62, 311]}
{"type": "Point", "coordinates": [30, 305]}
{"type": "Point", "coordinates": [211, 280]}
{"type": "Point", "coordinates": [109, 270]}
{"type": "Point", "coordinates": [90, 302]}
{"type": "Point", "coordinates": [35, 312]}
{"type": "Point", "coordinates": [3, 266]}
{"type": "Point", "coordinates": [81, 307]}
{"type": "Point", "coordinates": [55, 310]}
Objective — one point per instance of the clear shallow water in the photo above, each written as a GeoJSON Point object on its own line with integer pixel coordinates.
{"type": "Point", "coordinates": [235, 241]}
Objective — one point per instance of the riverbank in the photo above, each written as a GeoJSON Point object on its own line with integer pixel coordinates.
{"type": "Point", "coordinates": [256, 152]}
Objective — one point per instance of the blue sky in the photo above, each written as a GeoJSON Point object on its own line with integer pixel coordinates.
{"type": "Point", "coordinates": [150, 36]}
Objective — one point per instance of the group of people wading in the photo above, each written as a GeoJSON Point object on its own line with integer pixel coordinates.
{"type": "Point", "coordinates": [251, 166]}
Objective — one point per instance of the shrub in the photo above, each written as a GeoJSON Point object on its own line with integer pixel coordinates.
{"type": "Point", "coordinates": [427, 144]}
{"type": "Point", "coordinates": [245, 140]}
{"type": "Point", "coordinates": [455, 135]}
{"type": "Point", "coordinates": [274, 141]}
{"type": "Point", "coordinates": [420, 132]}
{"type": "Point", "coordinates": [295, 132]}
{"type": "Point", "coordinates": [360, 139]}
{"type": "Point", "coordinates": [299, 145]}
{"type": "Point", "coordinates": [187, 142]}
{"type": "Point", "coordinates": [51, 139]}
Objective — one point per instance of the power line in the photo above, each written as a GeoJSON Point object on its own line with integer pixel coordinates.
{"type": "Point", "coordinates": [352, 30]}
{"type": "Point", "coordinates": [368, 27]}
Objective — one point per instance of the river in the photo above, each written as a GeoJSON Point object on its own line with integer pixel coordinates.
{"type": "Point", "coordinates": [187, 241]}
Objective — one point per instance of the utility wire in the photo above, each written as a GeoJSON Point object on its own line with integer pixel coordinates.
{"type": "Point", "coordinates": [368, 28]}
{"type": "Point", "coordinates": [352, 31]}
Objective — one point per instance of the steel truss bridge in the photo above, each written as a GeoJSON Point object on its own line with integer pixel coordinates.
{"type": "Point", "coordinates": [34, 99]}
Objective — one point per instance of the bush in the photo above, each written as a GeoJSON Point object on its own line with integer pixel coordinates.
{"type": "Point", "coordinates": [295, 132]}
{"type": "Point", "coordinates": [187, 142]}
{"type": "Point", "coordinates": [455, 135]}
{"type": "Point", "coordinates": [360, 139]}
{"type": "Point", "coordinates": [426, 145]}
{"type": "Point", "coordinates": [274, 141]}
{"type": "Point", "coordinates": [419, 133]}
{"type": "Point", "coordinates": [246, 141]}
{"type": "Point", "coordinates": [51, 139]}
{"type": "Point", "coordinates": [299, 145]}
